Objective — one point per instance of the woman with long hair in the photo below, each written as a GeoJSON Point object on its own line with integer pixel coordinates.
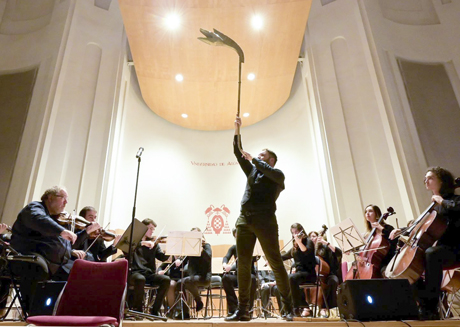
{"type": "Point", "coordinates": [440, 182]}
{"type": "Point", "coordinates": [303, 253]}
{"type": "Point", "coordinates": [332, 255]}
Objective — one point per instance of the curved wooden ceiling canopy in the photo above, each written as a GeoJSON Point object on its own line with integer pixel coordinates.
{"type": "Point", "coordinates": [208, 93]}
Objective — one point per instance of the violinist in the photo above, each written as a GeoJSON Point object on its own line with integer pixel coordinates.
{"type": "Point", "coordinates": [303, 253]}
{"type": "Point", "coordinates": [97, 249]}
{"type": "Point", "coordinates": [446, 252]}
{"type": "Point", "coordinates": [4, 282]}
{"type": "Point", "coordinates": [199, 275]}
{"type": "Point", "coordinates": [230, 280]}
{"type": "Point", "coordinates": [372, 213]}
{"type": "Point", "coordinates": [144, 271]}
{"type": "Point", "coordinates": [173, 270]}
{"type": "Point", "coordinates": [36, 231]}
{"type": "Point", "coordinates": [332, 255]}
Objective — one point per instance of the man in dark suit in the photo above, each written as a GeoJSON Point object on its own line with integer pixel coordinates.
{"type": "Point", "coordinates": [257, 220]}
{"type": "Point", "coordinates": [36, 231]}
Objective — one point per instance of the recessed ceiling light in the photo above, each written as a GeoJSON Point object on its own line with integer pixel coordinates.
{"type": "Point", "coordinates": [251, 76]}
{"type": "Point", "coordinates": [246, 114]}
{"type": "Point", "coordinates": [179, 77]}
{"type": "Point", "coordinates": [184, 115]}
{"type": "Point", "coordinates": [257, 22]}
{"type": "Point", "coordinates": [172, 21]}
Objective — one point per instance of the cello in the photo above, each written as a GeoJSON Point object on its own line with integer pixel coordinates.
{"type": "Point", "coordinates": [367, 264]}
{"type": "Point", "coordinates": [409, 261]}
{"type": "Point", "coordinates": [322, 271]}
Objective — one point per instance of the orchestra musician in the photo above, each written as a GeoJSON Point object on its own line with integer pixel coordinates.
{"type": "Point", "coordinates": [257, 220]}
{"type": "Point", "coordinates": [372, 213]}
{"type": "Point", "coordinates": [303, 253]}
{"type": "Point", "coordinates": [144, 271]}
{"type": "Point", "coordinates": [37, 231]}
{"type": "Point", "coordinates": [4, 282]}
{"type": "Point", "coordinates": [98, 251]}
{"type": "Point", "coordinates": [446, 252]}
{"type": "Point", "coordinates": [173, 270]}
{"type": "Point", "coordinates": [230, 280]}
{"type": "Point", "coordinates": [332, 255]}
{"type": "Point", "coordinates": [199, 275]}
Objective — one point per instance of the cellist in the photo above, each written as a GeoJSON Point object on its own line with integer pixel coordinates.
{"type": "Point", "coordinates": [446, 252]}
{"type": "Point", "coordinates": [332, 255]}
{"type": "Point", "coordinates": [372, 213]}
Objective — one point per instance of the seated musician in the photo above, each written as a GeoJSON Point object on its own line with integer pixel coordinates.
{"type": "Point", "coordinates": [230, 279]}
{"type": "Point", "coordinates": [98, 251]}
{"type": "Point", "coordinates": [37, 231]}
{"type": "Point", "coordinates": [303, 253]}
{"type": "Point", "coordinates": [199, 275]}
{"type": "Point", "coordinates": [4, 282]}
{"type": "Point", "coordinates": [333, 257]}
{"type": "Point", "coordinates": [144, 271]}
{"type": "Point", "coordinates": [446, 252]}
{"type": "Point", "coordinates": [173, 270]}
{"type": "Point", "coordinates": [372, 214]}
{"type": "Point", "coordinates": [268, 289]}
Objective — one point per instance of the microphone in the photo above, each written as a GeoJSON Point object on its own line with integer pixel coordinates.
{"type": "Point", "coordinates": [139, 152]}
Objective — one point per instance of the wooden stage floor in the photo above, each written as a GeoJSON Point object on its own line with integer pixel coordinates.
{"type": "Point", "coordinates": [259, 322]}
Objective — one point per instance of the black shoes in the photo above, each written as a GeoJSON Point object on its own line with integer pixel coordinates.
{"type": "Point", "coordinates": [427, 314]}
{"type": "Point", "coordinates": [239, 315]}
{"type": "Point", "coordinates": [199, 304]}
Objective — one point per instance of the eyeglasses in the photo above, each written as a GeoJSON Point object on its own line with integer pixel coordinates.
{"type": "Point", "coordinates": [62, 196]}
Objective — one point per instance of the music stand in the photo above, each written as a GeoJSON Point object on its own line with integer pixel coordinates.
{"type": "Point", "coordinates": [348, 238]}
{"type": "Point", "coordinates": [185, 244]}
{"type": "Point", "coordinates": [135, 234]}
{"type": "Point", "coordinates": [138, 233]}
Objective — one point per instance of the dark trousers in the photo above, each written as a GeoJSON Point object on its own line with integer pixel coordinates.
{"type": "Point", "coordinates": [330, 291]}
{"type": "Point", "coordinates": [138, 281]}
{"type": "Point", "coordinates": [29, 273]}
{"type": "Point", "coordinates": [266, 291]}
{"type": "Point", "coordinates": [265, 229]}
{"type": "Point", "coordinates": [192, 284]}
{"type": "Point", "coordinates": [229, 282]}
{"type": "Point", "coordinates": [436, 258]}
{"type": "Point", "coordinates": [295, 280]}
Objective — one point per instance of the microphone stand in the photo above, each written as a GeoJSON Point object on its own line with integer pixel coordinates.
{"type": "Point", "coordinates": [130, 253]}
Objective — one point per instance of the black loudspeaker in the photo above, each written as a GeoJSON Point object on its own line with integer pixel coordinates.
{"type": "Point", "coordinates": [377, 299]}
{"type": "Point", "coordinates": [45, 298]}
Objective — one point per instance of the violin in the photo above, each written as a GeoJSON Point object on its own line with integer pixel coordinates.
{"type": "Point", "coordinates": [104, 234]}
{"type": "Point", "coordinates": [367, 265]}
{"type": "Point", "coordinates": [65, 218]}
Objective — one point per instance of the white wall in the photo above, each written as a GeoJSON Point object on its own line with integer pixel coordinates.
{"type": "Point", "coordinates": [176, 193]}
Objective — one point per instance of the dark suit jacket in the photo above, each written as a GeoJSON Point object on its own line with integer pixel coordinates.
{"type": "Point", "coordinates": [263, 186]}
{"type": "Point", "coordinates": [35, 231]}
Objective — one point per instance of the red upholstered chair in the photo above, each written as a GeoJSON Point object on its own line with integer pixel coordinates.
{"type": "Point", "coordinates": [94, 295]}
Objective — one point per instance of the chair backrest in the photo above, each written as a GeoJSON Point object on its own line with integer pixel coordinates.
{"type": "Point", "coordinates": [94, 289]}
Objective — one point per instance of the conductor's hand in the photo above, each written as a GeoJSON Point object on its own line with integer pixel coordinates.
{"type": "Point", "coordinates": [237, 124]}
{"type": "Point", "coordinates": [246, 155]}
{"type": "Point", "coordinates": [68, 235]}
{"type": "Point", "coordinates": [79, 254]}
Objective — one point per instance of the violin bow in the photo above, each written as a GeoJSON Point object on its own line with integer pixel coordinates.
{"type": "Point", "coordinates": [89, 247]}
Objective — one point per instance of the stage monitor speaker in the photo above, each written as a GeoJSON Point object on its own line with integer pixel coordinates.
{"type": "Point", "coordinates": [45, 298]}
{"type": "Point", "coordinates": [377, 299]}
